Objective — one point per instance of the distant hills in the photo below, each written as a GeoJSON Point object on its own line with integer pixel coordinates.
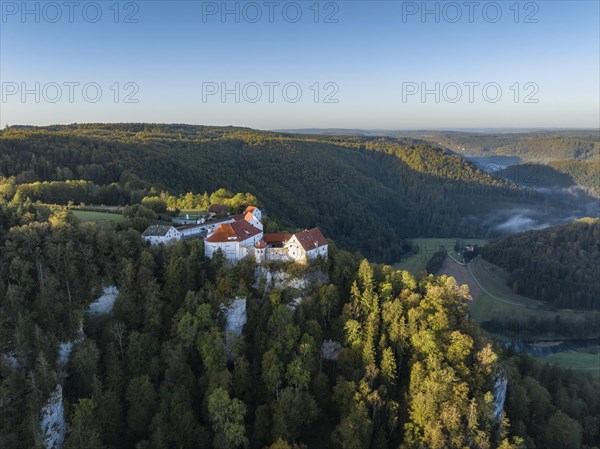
{"type": "Point", "coordinates": [528, 145]}
{"type": "Point", "coordinates": [571, 157]}
{"type": "Point", "coordinates": [556, 175]}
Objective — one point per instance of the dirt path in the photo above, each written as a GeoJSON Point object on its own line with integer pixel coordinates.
{"type": "Point", "coordinates": [462, 275]}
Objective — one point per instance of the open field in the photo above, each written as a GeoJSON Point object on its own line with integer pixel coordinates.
{"type": "Point", "coordinates": [416, 263]}
{"type": "Point", "coordinates": [497, 298]}
{"type": "Point", "coordinates": [491, 298]}
{"type": "Point", "coordinates": [580, 361]}
{"type": "Point", "coordinates": [106, 219]}
{"type": "Point", "coordinates": [100, 208]}
{"type": "Point", "coordinates": [493, 279]}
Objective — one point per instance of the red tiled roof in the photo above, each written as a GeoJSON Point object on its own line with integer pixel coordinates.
{"type": "Point", "coordinates": [311, 239]}
{"type": "Point", "coordinates": [217, 208]}
{"type": "Point", "coordinates": [261, 244]}
{"type": "Point", "coordinates": [250, 209]}
{"type": "Point", "coordinates": [248, 216]}
{"type": "Point", "coordinates": [238, 231]}
{"type": "Point", "coordinates": [277, 238]}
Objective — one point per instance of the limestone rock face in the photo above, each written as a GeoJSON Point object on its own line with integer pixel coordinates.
{"type": "Point", "coordinates": [330, 349]}
{"type": "Point", "coordinates": [500, 386]}
{"type": "Point", "coordinates": [235, 318]}
{"type": "Point", "coordinates": [52, 422]}
{"type": "Point", "coordinates": [281, 279]}
{"type": "Point", "coordinates": [104, 303]}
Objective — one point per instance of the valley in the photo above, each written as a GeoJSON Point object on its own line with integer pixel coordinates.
{"type": "Point", "coordinates": [299, 225]}
{"type": "Point", "coordinates": [493, 299]}
{"type": "Point", "coordinates": [77, 203]}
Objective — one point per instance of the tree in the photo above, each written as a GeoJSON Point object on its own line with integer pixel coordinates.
{"type": "Point", "coordinates": [141, 398]}
{"type": "Point", "coordinates": [562, 432]}
{"type": "Point", "coordinates": [292, 411]}
{"type": "Point", "coordinates": [155, 203]}
{"type": "Point", "coordinates": [388, 365]}
{"type": "Point", "coordinates": [118, 332]}
{"type": "Point", "coordinates": [272, 372]}
{"type": "Point", "coordinates": [328, 300]}
{"type": "Point", "coordinates": [354, 430]}
{"type": "Point", "coordinates": [282, 444]}
{"type": "Point", "coordinates": [83, 366]}
{"type": "Point", "coordinates": [297, 375]}
{"type": "Point", "coordinates": [84, 433]}
{"type": "Point", "coordinates": [227, 416]}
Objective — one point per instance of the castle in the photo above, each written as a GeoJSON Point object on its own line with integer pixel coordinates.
{"type": "Point", "coordinates": [241, 235]}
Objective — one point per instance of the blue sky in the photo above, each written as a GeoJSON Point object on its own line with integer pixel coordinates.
{"type": "Point", "coordinates": [536, 65]}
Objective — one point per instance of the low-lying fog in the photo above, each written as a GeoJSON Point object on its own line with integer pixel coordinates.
{"type": "Point", "coordinates": [563, 206]}
{"type": "Point", "coordinates": [491, 164]}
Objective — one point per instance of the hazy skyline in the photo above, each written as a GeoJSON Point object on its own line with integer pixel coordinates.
{"type": "Point", "coordinates": [348, 64]}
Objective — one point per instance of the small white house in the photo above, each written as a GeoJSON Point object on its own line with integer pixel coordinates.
{"type": "Point", "coordinates": [157, 234]}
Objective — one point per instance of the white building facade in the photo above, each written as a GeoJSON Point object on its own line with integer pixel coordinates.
{"type": "Point", "coordinates": [237, 237]}
{"type": "Point", "coordinates": [157, 234]}
{"type": "Point", "coordinates": [307, 245]}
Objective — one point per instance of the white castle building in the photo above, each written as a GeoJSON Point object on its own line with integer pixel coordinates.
{"type": "Point", "coordinates": [241, 235]}
{"type": "Point", "coordinates": [244, 237]}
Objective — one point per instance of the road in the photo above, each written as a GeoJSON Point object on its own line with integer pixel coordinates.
{"type": "Point", "coordinates": [468, 265]}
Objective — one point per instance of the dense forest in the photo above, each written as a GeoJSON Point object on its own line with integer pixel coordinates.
{"type": "Point", "coordinates": [585, 174]}
{"type": "Point", "coordinates": [348, 186]}
{"type": "Point", "coordinates": [341, 353]}
{"type": "Point", "coordinates": [553, 148]}
{"type": "Point", "coordinates": [158, 371]}
{"type": "Point", "coordinates": [551, 407]}
{"type": "Point", "coordinates": [557, 264]}
{"type": "Point", "coordinates": [556, 175]}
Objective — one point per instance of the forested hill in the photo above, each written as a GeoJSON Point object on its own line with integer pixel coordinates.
{"type": "Point", "coordinates": [553, 148]}
{"type": "Point", "coordinates": [557, 264]}
{"type": "Point", "coordinates": [158, 371]}
{"type": "Point", "coordinates": [530, 146]}
{"type": "Point", "coordinates": [557, 175]}
{"type": "Point", "coordinates": [367, 193]}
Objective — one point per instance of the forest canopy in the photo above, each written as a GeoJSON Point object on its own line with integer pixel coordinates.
{"type": "Point", "coordinates": [558, 264]}
{"type": "Point", "coordinates": [156, 371]}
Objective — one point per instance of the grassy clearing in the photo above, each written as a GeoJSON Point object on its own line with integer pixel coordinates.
{"type": "Point", "coordinates": [581, 361]}
{"type": "Point", "coordinates": [493, 279]}
{"type": "Point", "coordinates": [107, 219]}
{"type": "Point", "coordinates": [486, 307]}
{"type": "Point", "coordinates": [416, 263]}
{"type": "Point", "coordinates": [497, 298]}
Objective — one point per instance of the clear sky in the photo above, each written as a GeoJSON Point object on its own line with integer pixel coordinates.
{"type": "Point", "coordinates": [278, 64]}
